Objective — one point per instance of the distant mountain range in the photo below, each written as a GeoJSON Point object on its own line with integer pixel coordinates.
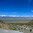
{"type": "Point", "coordinates": [15, 17]}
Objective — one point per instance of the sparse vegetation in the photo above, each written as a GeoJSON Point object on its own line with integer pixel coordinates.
{"type": "Point", "coordinates": [8, 26]}
{"type": "Point", "coordinates": [30, 30]}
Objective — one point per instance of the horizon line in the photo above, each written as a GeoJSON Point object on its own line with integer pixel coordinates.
{"type": "Point", "coordinates": [15, 16]}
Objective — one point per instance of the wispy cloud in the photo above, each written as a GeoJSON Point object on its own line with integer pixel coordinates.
{"type": "Point", "coordinates": [14, 12]}
{"type": "Point", "coordinates": [32, 10]}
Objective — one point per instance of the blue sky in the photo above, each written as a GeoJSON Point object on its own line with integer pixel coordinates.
{"type": "Point", "coordinates": [16, 7]}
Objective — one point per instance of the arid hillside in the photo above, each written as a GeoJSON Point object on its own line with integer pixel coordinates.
{"type": "Point", "coordinates": [12, 26]}
{"type": "Point", "coordinates": [3, 25]}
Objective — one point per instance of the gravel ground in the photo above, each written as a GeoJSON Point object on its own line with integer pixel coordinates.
{"type": "Point", "coordinates": [9, 31]}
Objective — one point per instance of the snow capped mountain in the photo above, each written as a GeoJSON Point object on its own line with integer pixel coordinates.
{"type": "Point", "coordinates": [3, 15]}
{"type": "Point", "coordinates": [15, 17]}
